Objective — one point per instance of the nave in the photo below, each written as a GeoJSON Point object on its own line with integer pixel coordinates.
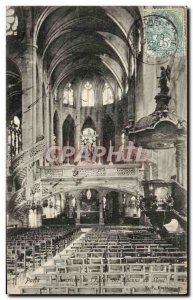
{"type": "Point", "coordinates": [98, 260]}
{"type": "Point", "coordinates": [96, 156]}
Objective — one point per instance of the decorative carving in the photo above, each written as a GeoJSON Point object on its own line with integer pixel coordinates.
{"type": "Point", "coordinates": [141, 175]}
{"type": "Point", "coordinates": [21, 196]}
{"type": "Point", "coordinates": [26, 156]}
{"type": "Point", "coordinates": [163, 79]}
{"type": "Point", "coordinates": [17, 198]}
{"type": "Point", "coordinates": [39, 148]}
{"type": "Point", "coordinates": [126, 172]}
{"type": "Point", "coordinates": [92, 172]}
{"type": "Point", "coordinates": [21, 175]}
{"type": "Point", "coordinates": [45, 191]}
{"type": "Point", "coordinates": [53, 173]}
{"type": "Point", "coordinates": [35, 189]}
{"type": "Point", "coordinates": [18, 161]}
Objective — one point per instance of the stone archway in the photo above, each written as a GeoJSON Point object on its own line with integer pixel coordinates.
{"type": "Point", "coordinates": [113, 208]}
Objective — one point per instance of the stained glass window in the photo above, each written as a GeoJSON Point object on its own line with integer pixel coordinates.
{"type": "Point", "coordinates": [68, 95]}
{"type": "Point", "coordinates": [11, 21]}
{"type": "Point", "coordinates": [87, 95]}
{"type": "Point", "coordinates": [107, 95]}
{"type": "Point", "coordinates": [14, 137]}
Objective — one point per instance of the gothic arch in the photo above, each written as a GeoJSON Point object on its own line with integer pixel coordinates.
{"type": "Point", "coordinates": [68, 131]}
{"type": "Point", "coordinates": [56, 125]}
{"type": "Point", "coordinates": [88, 123]}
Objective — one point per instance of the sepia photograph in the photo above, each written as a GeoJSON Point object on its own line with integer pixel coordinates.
{"type": "Point", "coordinates": [96, 150]}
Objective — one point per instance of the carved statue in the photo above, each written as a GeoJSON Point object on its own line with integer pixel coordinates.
{"type": "Point", "coordinates": [163, 79]}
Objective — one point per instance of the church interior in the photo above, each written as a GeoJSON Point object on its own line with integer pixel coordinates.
{"type": "Point", "coordinates": [76, 77]}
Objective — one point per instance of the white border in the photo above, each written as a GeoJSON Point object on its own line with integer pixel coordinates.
{"type": "Point", "coordinates": [3, 3]}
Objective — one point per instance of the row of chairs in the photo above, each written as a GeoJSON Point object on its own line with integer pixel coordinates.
{"type": "Point", "coordinates": [27, 249]}
{"type": "Point", "coordinates": [105, 261]}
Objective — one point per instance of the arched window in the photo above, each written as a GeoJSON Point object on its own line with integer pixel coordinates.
{"type": "Point", "coordinates": [68, 95]}
{"type": "Point", "coordinates": [11, 21]}
{"type": "Point", "coordinates": [107, 95]}
{"type": "Point", "coordinates": [132, 65]}
{"type": "Point", "coordinates": [56, 128]}
{"type": "Point", "coordinates": [68, 131]}
{"type": "Point", "coordinates": [69, 134]}
{"type": "Point", "coordinates": [14, 137]}
{"type": "Point", "coordinates": [55, 95]}
{"type": "Point", "coordinates": [87, 95]}
{"type": "Point", "coordinates": [108, 129]}
{"type": "Point", "coordinates": [119, 93]}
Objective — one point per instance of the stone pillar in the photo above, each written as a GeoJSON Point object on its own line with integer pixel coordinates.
{"type": "Point", "coordinates": [59, 134]}
{"type": "Point", "coordinates": [58, 204]}
{"type": "Point", "coordinates": [60, 124]}
{"type": "Point", "coordinates": [38, 217]}
{"type": "Point", "coordinates": [150, 171]}
{"type": "Point", "coordinates": [29, 95]}
{"type": "Point", "coordinates": [62, 195]}
{"type": "Point", "coordinates": [99, 131]}
{"type": "Point", "coordinates": [77, 122]}
{"type": "Point", "coordinates": [101, 217]}
{"type": "Point", "coordinates": [46, 117]}
{"type": "Point", "coordinates": [26, 219]}
{"type": "Point", "coordinates": [51, 115]}
{"type": "Point", "coordinates": [181, 163]}
{"type": "Point", "coordinates": [77, 211]}
{"type": "Point", "coordinates": [32, 218]}
{"type": "Point", "coordinates": [39, 109]}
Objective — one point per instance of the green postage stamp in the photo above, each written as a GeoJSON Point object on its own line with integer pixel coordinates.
{"type": "Point", "coordinates": [164, 31]}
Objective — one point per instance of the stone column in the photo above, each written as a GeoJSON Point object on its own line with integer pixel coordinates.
{"type": "Point", "coordinates": [181, 163]}
{"type": "Point", "coordinates": [99, 130]}
{"type": "Point", "coordinates": [78, 119]}
{"type": "Point", "coordinates": [28, 71]}
{"type": "Point", "coordinates": [38, 217]}
{"type": "Point", "coordinates": [32, 218]}
{"type": "Point", "coordinates": [150, 171]}
{"type": "Point", "coordinates": [77, 211]}
{"type": "Point", "coordinates": [39, 111]}
{"type": "Point", "coordinates": [26, 219]}
{"type": "Point", "coordinates": [62, 202]}
{"type": "Point", "coordinates": [101, 217]}
{"type": "Point", "coordinates": [58, 204]}
{"type": "Point", "coordinates": [46, 117]}
{"type": "Point", "coordinates": [59, 134]}
{"type": "Point", "coordinates": [51, 115]}
{"type": "Point", "coordinates": [29, 95]}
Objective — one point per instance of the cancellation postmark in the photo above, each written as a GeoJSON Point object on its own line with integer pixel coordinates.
{"type": "Point", "coordinates": [162, 33]}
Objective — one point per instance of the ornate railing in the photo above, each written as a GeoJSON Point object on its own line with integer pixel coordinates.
{"type": "Point", "coordinates": [28, 155]}
{"type": "Point", "coordinates": [180, 195]}
{"type": "Point", "coordinates": [16, 199]}
{"type": "Point", "coordinates": [29, 192]}
{"type": "Point", "coordinates": [93, 171]}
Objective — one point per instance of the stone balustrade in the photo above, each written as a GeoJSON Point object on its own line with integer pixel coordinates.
{"type": "Point", "coordinates": [29, 155]}
{"type": "Point", "coordinates": [94, 171]}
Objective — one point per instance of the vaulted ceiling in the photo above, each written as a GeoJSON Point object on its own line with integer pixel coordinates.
{"type": "Point", "coordinates": [77, 40]}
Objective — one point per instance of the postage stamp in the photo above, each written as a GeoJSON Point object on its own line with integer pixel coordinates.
{"type": "Point", "coordinates": [161, 32]}
{"type": "Point", "coordinates": [164, 31]}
